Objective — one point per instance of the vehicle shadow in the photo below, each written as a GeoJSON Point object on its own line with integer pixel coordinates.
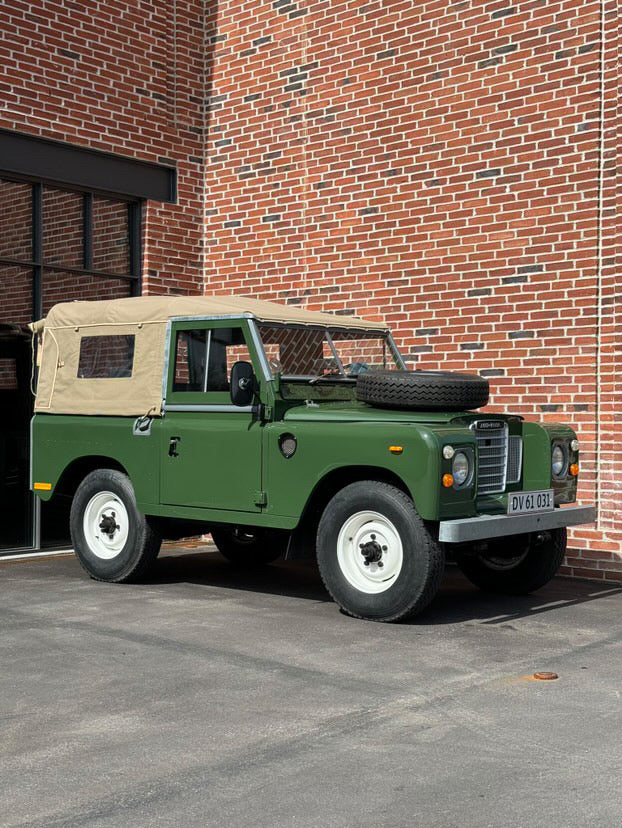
{"type": "Point", "coordinates": [457, 601]}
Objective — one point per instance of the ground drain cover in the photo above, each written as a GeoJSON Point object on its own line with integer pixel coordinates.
{"type": "Point", "coordinates": [545, 676]}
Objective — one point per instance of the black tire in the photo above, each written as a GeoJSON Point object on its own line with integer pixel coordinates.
{"type": "Point", "coordinates": [116, 555]}
{"type": "Point", "coordinates": [422, 390]}
{"type": "Point", "coordinates": [402, 587]}
{"type": "Point", "coordinates": [516, 565]}
{"type": "Point", "coordinates": [250, 546]}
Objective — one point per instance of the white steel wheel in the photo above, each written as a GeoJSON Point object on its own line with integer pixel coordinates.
{"type": "Point", "coordinates": [105, 525]}
{"type": "Point", "coordinates": [113, 540]}
{"type": "Point", "coordinates": [370, 552]}
{"type": "Point", "coordinates": [377, 557]}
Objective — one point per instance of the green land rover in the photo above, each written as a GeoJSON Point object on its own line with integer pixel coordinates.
{"type": "Point", "coordinates": [285, 432]}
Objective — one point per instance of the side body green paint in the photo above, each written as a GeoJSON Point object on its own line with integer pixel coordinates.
{"type": "Point", "coordinates": [226, 480]}
{"type": "Point", "coordinates": [222, 464]}
{"type": "Point", "coordinates": [59, 440]}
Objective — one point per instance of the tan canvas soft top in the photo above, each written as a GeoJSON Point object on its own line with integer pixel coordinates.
{"type": "Point", "coordinates": [61, 391]}
{"type": "Point", "coordinates": [162, 308]}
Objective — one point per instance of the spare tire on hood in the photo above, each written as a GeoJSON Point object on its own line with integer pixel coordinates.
{"type": "Point", "coordinates": [422, 390]}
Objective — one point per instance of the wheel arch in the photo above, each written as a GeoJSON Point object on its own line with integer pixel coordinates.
{"type": "Point", "coordinates": [75, 472]}
{"type": "Point", "coordinates": [302, 544]}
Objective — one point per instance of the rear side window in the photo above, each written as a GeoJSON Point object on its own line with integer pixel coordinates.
{"type": "Point", "coordinates": [106, 357]}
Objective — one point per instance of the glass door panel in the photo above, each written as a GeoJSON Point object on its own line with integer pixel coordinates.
{"type": "Point", "coordinates": [16, 500]}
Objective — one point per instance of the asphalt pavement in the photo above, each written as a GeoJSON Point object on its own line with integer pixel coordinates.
{"type": "Point", "coordinates": [214, 697]}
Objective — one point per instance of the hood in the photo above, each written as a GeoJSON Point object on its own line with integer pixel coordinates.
{"type": "Point", "coordinates": [349, 412]}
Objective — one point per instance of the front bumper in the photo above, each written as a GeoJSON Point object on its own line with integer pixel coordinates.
{"type": "Point", "coordinates": [497, 526]}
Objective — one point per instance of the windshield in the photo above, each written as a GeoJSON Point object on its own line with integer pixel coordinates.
{"type": "Point", "coordinates": [303, 353]}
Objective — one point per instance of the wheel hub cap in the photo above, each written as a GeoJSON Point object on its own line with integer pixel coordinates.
{"type": "Point", "coordinates": [106, 525]}
{"type": "Point", "coordinates": [372, 552]}
{"type": "Point", "coordinates": [369, 552]}
{"type": "Point", "coordinates": [109, 525]}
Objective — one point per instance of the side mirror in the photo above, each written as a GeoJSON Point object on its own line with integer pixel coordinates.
{"type": "Point", "coordinates": [242, 383]}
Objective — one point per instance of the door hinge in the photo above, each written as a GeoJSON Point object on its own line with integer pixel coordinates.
{"type": "Point", "coordinates": [261, 498]}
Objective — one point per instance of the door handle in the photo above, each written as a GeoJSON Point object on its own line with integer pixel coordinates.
{"type": "Point", "coordinates": [172, 446]}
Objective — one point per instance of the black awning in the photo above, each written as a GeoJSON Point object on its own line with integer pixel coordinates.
{"type": "Point", "coordinates": [66, 164]}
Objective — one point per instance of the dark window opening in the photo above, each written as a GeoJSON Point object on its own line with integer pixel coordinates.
{"type": "Point", "coordinates": [76, 245]}
{"type": "Point", "coordinates": [203, 358]}
{"type": "Point", "coordinates": [106, 357]}
{"type": "Point", "coordinates": [57, 244]}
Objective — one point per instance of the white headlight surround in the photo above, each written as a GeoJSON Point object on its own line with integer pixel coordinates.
{"type": "Point", "coordinates": [461, 468]}
{"type": "Point", "coordinates": [559, 460]}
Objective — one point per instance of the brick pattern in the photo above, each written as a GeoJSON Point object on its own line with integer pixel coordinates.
{"type": "Point", "coordinates": [434, 164]}
{"type": "Point", "coordinates": [111, 248]}
{"type": "Point", "coordinates": [16, 286]}
{"type": "Point", "coordinates": [59, 286]}
{"type": "Point", "coordinates": [15, 220]}
{"type": "Point", "coordinates": [61, 219]}
{"type": "Point", "coordinates": [121, 76]}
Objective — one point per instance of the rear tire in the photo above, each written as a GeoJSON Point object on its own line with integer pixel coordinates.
{"type": "Point", "coordinates": [112, 539]}
{"type": "Point", "coordinates": [516, 565]}
{"type": "Point", "coordinates": [250, 546]}
{"type": "Point", "coordinates": [376, 556]}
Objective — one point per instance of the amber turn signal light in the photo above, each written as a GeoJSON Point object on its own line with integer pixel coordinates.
{"type": "Point", "coordinates": [448, 480]}
{"type": "Point", "coordinates": [396, 449]}
{"type": "Point", "coordinates": [574, 469]}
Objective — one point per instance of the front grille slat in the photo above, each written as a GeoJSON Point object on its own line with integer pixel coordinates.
{"type": "Point", "coordinates": [492, 453]}
{"type": "Point", "coordinates": [515, 458]}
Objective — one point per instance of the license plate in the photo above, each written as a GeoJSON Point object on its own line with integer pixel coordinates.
{"type": "Point", "coordinates": [520, 503]}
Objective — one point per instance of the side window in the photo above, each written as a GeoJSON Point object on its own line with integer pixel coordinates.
{"type": "Point", "coordinates": [106, 357]}
{"type": "Point", "coordinates": [190, 360]}
{"type": "Point", "coordinates": [204, 358]}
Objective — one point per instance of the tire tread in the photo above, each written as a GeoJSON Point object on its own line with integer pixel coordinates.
{"type": "Point", "coordinates": [432, 549]}
{"type": "Point", "coordinates": [424, 390]}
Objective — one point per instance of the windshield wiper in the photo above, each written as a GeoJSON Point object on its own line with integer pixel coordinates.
{"type": "Point", "coordinates": [331, 378]}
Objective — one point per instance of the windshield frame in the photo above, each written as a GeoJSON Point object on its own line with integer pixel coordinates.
{"type": "Point", "coordinates": [358, 333]}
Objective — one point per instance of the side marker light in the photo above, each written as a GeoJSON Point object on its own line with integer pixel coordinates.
{"type": "Point", "coordinates": [42, 487]}
{"type": "Point", "coordinates": [396, 449]}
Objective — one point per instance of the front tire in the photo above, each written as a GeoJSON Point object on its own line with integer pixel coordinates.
{"type": "Point", "coordinates": [516, 565]}
{"type": "Point", "coordinates": [112, 539]}
{"type": "Point", "coordinates": [376, 556]}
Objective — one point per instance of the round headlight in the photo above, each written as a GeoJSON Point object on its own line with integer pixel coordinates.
{"type": "Point", "coordinates": [460, 468]}
{"type": "Point", "coordinates": [558, 460]}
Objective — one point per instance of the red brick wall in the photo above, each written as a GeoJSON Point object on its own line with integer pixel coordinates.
{"type": "Point", "coordinates": [435, 164]}
{"type": "Point", "coordinates": [125, 77]}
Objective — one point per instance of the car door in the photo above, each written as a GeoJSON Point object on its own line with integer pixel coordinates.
{"type": "Point", "coordinates": [211, 449]}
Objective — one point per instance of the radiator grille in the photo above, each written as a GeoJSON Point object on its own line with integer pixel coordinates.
{"type": "Point", "coordinates": [492, 455]}
{"type": "Point", "coordinates": [515, 457]}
